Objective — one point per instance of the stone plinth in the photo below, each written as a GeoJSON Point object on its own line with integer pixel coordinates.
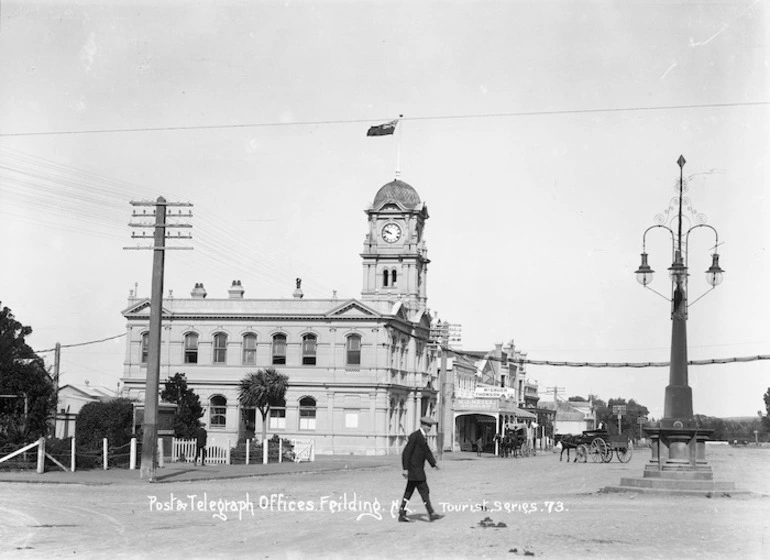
{"type": "Point", "coordinates": [677, 465]}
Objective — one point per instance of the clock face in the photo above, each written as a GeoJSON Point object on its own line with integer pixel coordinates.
{"type": "Point", "coordinates": [391, 233]}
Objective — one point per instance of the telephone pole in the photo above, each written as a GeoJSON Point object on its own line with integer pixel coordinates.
{"type": "Point", "coordinates": [160, 213]}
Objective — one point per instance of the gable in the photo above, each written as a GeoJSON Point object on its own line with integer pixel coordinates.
{"type": "Point", "coordinates": [142, 309]}
{"type": "Point", "coordinates": [352, 309]}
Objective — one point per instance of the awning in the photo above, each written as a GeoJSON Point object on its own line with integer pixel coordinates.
{"type": "Point", "coordinates": [521, 413]}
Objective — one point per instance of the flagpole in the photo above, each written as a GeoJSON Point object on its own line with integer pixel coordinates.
{"type": "Point", "coordinates": [398, 149]}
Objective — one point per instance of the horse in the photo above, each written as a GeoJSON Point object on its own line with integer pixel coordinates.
{"type": "Point", "coordinates": [512, 442]}
{"type": "Point", "coordinates": [568, 441]}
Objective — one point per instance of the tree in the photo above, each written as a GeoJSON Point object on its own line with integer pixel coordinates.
{"type": "Point", "coordinates": [766, 418]}
{"type": "Point", "coordinates": [189, 409]}
{"type": "Point", "coordinates": [629, 420]}
{"type": "Point", "coordinates": [24, 384]}
{"type": "Point", "coordinates": [263, 389]}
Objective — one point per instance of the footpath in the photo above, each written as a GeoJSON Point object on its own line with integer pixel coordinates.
{"type": "Point", "coordinates": [187, 472]}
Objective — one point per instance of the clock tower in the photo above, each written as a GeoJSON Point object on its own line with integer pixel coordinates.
{"type": "Point", "coordinates": [395, 258]}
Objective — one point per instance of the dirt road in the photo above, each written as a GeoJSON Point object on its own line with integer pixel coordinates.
{"type": "Point", "coordinates": [539, 506]}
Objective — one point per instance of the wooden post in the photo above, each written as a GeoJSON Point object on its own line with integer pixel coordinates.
{"type": "Point", "coordinates": [132, 463]}
{"type": "Point", "coordinates": [104, 453]}
{"type": "Point", "coordinates": [248, 444]}
{"type": "Point", "coordinates": [228, 451]}
{"type": "Point", "coordinates": [72, 454]}
{"type": "Point", "coordinates": [41, 456]}
{"type": "Point", "coordinates": [264, 450]}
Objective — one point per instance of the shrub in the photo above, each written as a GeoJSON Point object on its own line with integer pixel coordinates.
{"type": "Point", "coordinates": [98, 420]}
{"type": "Point", "coordinates": [238, 453]}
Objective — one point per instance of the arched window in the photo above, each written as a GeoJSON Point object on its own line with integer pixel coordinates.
{"type": "Point", "coordinates": [249, 349]}
{"type": "Point", "coordinates": [191, 348]}
{"type": "Point", "coordinates": [218, 411]}
{"type": "Point", "coordinates": [278, 416]}
{"type": "Point", "coordinates": [220, 348]}
{"type": "Point", "coordinates": [385, 278]}
{"type": "Point", "coordinates": [279, 349]}
{"type": "Point", "coordinates": [309, 344]}
{"type": "Point", "coordinates": [307, 408]}
{"type": "Point", "coordinates": [353, 350]}
{"type": "Point", "coordinates": [145, 347]}
{"type": "Point", "coordinates": [393, 278]}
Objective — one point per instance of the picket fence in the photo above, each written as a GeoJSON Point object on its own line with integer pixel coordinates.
{"type": "Point", "coordinates": [184, 450]}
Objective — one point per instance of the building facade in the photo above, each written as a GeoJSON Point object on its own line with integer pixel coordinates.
{"type": "Point", "coordinates": [489, 396]}
{"type": "Point", "coordinates": [361, 371]}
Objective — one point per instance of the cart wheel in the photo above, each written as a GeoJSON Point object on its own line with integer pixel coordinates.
{"type": "Point", "coordinates": [598, 450]}
{"type": "Point", "coordinates": [608, 453]}
{"type": "Point", "coordinates": [582, 453]}
{"type": "Point", "coordinates": [624, 455]}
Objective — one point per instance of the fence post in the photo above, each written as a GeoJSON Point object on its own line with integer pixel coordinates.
{"type": "Point", "coordinates": [228, 451]}
{"type": "Point", "coordinates": [72, 454]}
{"type": "Point", "coordinates": [104, 453]}
{"type": "Point", "coordinates": [41, 456]}
{"type": "Point", "coordinates": [280, 450]}
{"type": "Point", "coordinates": [132, 464]}
{"type": "Point", "coordinates": [248, 444]}
{"type": "Point", "coordinates": [265, 445]}
{"type": "Point", "coordinates": [160, 453]}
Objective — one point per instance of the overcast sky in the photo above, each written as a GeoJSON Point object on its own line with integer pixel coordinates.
{"type": "Point", "coordinates": [543, 137]}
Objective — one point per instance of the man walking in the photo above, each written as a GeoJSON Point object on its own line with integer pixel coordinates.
{"type": "Point", "coordinates": [200, 444]}
{"type": "Point", "coordinates": [413, 458]}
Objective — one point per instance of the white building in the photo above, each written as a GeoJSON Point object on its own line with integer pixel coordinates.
{"type": "Point", "coordinates": [361, 370]}
{"type": "Point", "coordinates": [71, 398]}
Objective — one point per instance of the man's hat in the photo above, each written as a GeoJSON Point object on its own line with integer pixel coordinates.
{"type": "Point", "coordinates": [428, 421]}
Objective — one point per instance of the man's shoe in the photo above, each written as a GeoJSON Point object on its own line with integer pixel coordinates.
{"type": "Point", "coordinates": [403, 518]}
{"type": "Point", "coordinates": [434, 517]}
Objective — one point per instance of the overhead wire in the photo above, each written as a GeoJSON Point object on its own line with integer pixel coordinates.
{"type": "Point", "coordinates": [418, 118]}
{"type": "Point", "coordinates": [99, 205]}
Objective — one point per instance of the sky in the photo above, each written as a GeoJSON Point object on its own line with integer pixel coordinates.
{"type": "Point", "coordinates": [543, 137]}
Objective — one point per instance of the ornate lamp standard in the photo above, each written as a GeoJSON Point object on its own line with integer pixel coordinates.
{"type": "Point", "coordinates": [678, 447]}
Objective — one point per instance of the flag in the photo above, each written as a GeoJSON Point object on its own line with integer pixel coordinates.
{"type": "Point", "coordinates": [382, 129]}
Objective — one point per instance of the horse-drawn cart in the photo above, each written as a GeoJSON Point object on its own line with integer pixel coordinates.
{"type": "Point", "coordinates": [600, 446]}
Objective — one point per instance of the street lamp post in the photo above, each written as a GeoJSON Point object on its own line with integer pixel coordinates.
{"type": "Point", "coordinates": [678, 447]}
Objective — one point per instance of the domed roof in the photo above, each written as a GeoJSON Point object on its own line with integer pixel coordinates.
{"type": "Point", "coordinates": [397, 191]}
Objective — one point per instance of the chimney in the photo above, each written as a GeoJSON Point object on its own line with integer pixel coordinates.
{"type": "Point", "coordinates": [199, 292]}
{"type": "Point", "coordinates": [236, 290]}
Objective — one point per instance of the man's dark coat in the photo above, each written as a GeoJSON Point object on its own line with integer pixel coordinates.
{"type": "Point", "coordinates": [200, 436]}
{"type": "Point", "coordinates": [414, 456]}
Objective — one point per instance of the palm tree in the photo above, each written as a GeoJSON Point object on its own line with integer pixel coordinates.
{"type": "Point", "coordinates": [263, 389]}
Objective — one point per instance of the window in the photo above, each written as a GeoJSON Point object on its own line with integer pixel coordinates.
{"type": "Point", "coordinates": [220, 348]}
{"type": "Point", "coordinates": [218, 411]}
{"type": "Point", "coordinates": [354, 350]}
{"type": "Point", "coordinates": [279, 349]}
{"type": "Point", "coordinates": [250, 349]}
{"type": "Point", "coordinates": [278, 417]}
{"type": "Point", "coordinates": [309, 350]}
{"type": "Point", "coordinates": [393, 277]}
{"type": "Point", "coordinates": [307, 407]}
{"type": "Point", "coordinates": [145, 347]}
{"type": "Point", "coordinates": [191, 348]}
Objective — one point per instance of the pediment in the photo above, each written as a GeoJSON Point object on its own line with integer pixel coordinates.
{"type": "Point", "coordinates": [142, 309]}
{"type": "Point", "coordinates": [352, 308]}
